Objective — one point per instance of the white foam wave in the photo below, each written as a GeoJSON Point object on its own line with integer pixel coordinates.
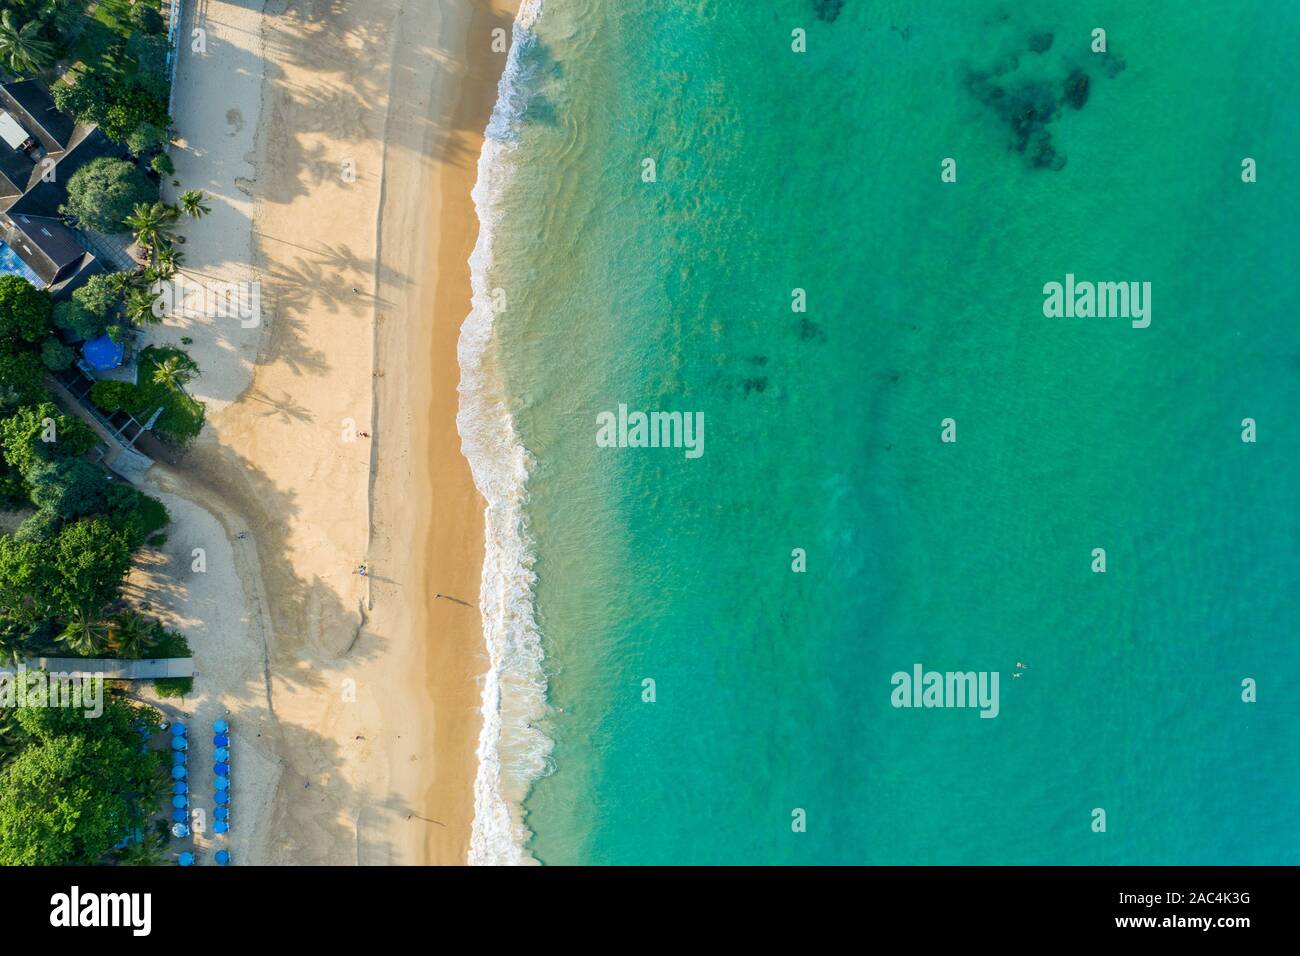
{"type": "Point", "coordinates": [511, 751]}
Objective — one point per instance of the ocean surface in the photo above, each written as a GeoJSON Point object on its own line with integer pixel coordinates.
{"type": "Point", "coordinates": [771, 736]}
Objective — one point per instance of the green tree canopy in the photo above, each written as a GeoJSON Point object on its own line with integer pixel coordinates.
{"type": "Point", "coordinates": [78, 786]}
{"type": "Point", "coordinates": [69, 487]}
{"type": "Point", "coordinates": [77, 319]}
{"type": "Point", "coordinates": [56, 356]}
{"type": "Point", "coordinates": [133, 105]}
{"type": "Point", "coordinates": [102, 193]}
{"type": "Point", "coordinates": [133, 512]}
{"type": "Point", "coordinates": [91, 558]}
{"type": "Point", "coordinates": [146, 138]}
{"type": "Point", "coordinates": [102, 293]}
{"type": "Point", "coordinates": [22, 380]}
{"type": "Point", "coordinates": [25, 313]}
{"type": "Point", "coordinates": [87, 99]}
{"type": "Point", "coordinates": [27, 579]}
{"type": "Point", "coordinates": [42, 526]}
{"type": "Point", "coordinates": [23, 436]}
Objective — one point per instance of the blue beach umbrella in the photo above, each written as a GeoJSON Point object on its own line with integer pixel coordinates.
{"type": "Point", "coordinates": [180, 802]}
{"type": "Point", "coordinates": [220, 726]}
{"type": "Point", "coordinates": [180, 786]}
{"type": "Point", "coordinates": [221, 769]}
{"type": "Point", "coordinates": [222, 798]}
{"type": "Point", "coordinates": [180, 830]}
{"type": "Point", "coordinates": [222, 783]}
{"type": "Point", "coordinates": [222, 857]}
{"type": "Point", "coordinates": [179, 816]}
{"type": "Point", "coordinates": [221, 753]}
{"type": "Point", "coordinates": [221, 826]}
{"type": "Point", "coordinates": [221, 740]}
{"type": "Point", "coordinates": [187, 859]}
{"type": "Point", "coordinates": [179, 773]}
{"type": "Point", "coordinates": [103, 353]}
{"type": "Point", "coordinates": [178, 729]}
{"type": "Point", "coordinates": [179, 743]}
{"type": "Point", "coordinates": [221, 813]}
{"type": "Point", "coordinates": [179, 759]}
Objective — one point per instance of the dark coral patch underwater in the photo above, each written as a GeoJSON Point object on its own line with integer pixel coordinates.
{"type": "Point", "coordinates": [1030, 94]}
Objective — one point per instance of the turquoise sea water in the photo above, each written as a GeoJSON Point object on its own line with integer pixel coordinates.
{"type": "Point", "coordinates": [821, 171]}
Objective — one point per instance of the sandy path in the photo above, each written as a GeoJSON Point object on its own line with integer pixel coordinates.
{"type": "Point", "coordinates": [367, 725]}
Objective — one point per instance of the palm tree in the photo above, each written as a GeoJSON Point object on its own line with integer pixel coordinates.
{"type": "Point", "coordinates": [120, 282]}
{"type": "Point", "coordinates": [169, 261]}
{"type": "Point", "coordinates": [153, 224]}
{"type": "Point", "coordinates": [86, 632]}
{"type": "Point", "coordinates": [139, 307]}
{"type": "Point", "coordinates": [21, 46]}
{"type": "Point", "coordinates": [148, 852]}
{"type": "Point", "coordinates": [174, 371]}
{"type": "Point", "coordinates": [132, 635]}
{"type": "Point", "coordinates": [192, 203]}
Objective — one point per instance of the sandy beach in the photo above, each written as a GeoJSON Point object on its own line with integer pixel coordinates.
{"type": "Point", "coordinates": [338, 145]}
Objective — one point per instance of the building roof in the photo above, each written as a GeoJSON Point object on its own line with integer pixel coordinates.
{"type": "Point", "coordinates": [37, 112]}
{"type": "Point", "coordinates": [30, 197]}
{"type": "Point", "coordinates": [43, 197]}
{"type": "Point", "coordinates": [46, 245]}
{"type": "Point", "coordinates": [16, 169]}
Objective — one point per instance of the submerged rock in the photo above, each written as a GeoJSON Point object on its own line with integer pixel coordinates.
{"type": "Point", "coordinates": [1077, 88]}
{"type": "Point", "coordinates": [828, 10]}
{"type": "Point", "coordinates": [1029, 109]}
{"type": "Point", "coordinates": [1040, 42]}
{"type": "Point", "coordinates": [810, 330]}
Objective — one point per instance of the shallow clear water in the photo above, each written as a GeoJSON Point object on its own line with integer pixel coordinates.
{"type": "Point", "coordinates": [821, 171]}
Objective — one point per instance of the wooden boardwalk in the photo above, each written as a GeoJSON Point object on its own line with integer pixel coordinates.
{"type": "Point", "coordinates": [145, 669]}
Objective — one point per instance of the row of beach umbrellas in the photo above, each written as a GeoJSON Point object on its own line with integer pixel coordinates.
{"type": "Point", "coordinates": [221, 770]}
{"type": "Point", "coordinates": [180, 786]}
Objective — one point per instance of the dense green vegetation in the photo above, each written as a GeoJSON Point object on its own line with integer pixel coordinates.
{"type": "Point", "coordinates": [72, 786]}
{"type": "Point", "coordinates": [102, 193]}
{"type": "Point", "coordinates": [163, 373]}
{"type": "Point", "coordinates": [119, 78]}
{"type": "Point", "coordinates": [61, 571]}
